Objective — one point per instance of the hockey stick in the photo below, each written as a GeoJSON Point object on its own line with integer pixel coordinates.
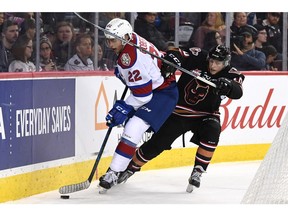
{"type": "Point", "coordinates": [84, 185]}
{"type": "Point", "coordinates": [191, 73]}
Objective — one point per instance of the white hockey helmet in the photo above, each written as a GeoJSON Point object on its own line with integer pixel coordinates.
{"type": "Point", "coordinates": [119, 27]}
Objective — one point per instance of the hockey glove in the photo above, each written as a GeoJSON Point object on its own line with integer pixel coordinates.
{"type": "Point", "coordinates": [119, 113]}
{"type": "Point", "coordinates": [173, 56]}
{"type": "Point", "coordinates": [223, 86]}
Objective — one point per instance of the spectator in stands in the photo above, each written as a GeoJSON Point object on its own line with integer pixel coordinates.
{"type": "Point", "coordinates": [244, 55]}
{"type": "Point", "coordinates": [2, 19]}
{"type": "Point", "coordinates": [274, 35]}
{"type": "Point", "coordinates": [10, 33]}
{"type": "Point", "coordinates": [271, 54]}
{"type": "Point", "coordinates": [212, 39]}
{"type": "Point", "coordinates": [165, 23]}
{"type": "Point", "coordinates": [213, 22]}
{"type": "Point", "coordinates": [81, 61]}
{"type": "Point", "coordinates": [261, 44]}
{"type": "Point", "coordinates": [46, 57]}
{"type": "Point", "coordinates": [251, 18]}
{"type": "Point", "coordinates": [64, 42]}
{"type": "Point", "coordinates": [106, 17]}
{"type": "Point", "coordinates": [109, 55]}
{"type": "Point", "coordinates": [29, 28]}
{"type": "Point", "coordinates": [22, 50]}
{"type": "Point", "coordinates": [104, 64]}
{"type": "Point", "coordinates": [48, 31]}
{"type": "Point", "coordinates": [144, 26]}
{"type": "Point", "coordinates": [16, 17]}
{"type": "Point", "coordinates": [261, 37]}
{"type": "Point", "coordinates": [239, 21]}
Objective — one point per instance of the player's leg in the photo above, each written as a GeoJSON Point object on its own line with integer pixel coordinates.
{"type": "Point", "coordinates": [160, 141]}
{"type": "Point", "coordinates": [155, 113]}
{"type": "Point", "coordinates": [132, 134]}
{"type": "Point", "coordinates": [207, 137]}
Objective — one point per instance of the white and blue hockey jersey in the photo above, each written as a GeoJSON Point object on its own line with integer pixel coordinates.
{"type": "Point", "coordinates": [139, 71]}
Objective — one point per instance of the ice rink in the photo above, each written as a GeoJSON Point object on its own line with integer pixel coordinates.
{"type": "Point", "coordinates": [224, 183]}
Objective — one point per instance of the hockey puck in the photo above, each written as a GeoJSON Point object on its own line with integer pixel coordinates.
{"type": "Point", "coordinates": [65, 196]}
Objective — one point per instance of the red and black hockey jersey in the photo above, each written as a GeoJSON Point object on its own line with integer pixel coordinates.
{"type": "Point", "coordinates": [197, 98]}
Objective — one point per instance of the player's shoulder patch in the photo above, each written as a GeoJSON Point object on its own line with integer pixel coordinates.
{"type": "Point", "coordinates": [125, 59]}
{"type": "Point", "coordinates": [128, 57]}
{"type": "Point", "coordinates": [234, 71]}
{"type": "Point", "coordinates": [195, 51]}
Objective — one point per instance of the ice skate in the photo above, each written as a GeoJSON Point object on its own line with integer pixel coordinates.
{"type": "Point", "coordinates": [131, 169]}
{"type": "Point", "coordinates": [194, 180]}
{"type": "Point", "coordinates": [123, 177]}
{"type": "Point", "coordinates": [107, 181]}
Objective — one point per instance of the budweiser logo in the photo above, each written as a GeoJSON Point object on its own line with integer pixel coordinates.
{"type": "Point", "coordinates": [260, 116]}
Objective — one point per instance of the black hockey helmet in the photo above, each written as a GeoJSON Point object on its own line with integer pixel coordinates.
{"type": "Point", "coordinates": [220, 53]}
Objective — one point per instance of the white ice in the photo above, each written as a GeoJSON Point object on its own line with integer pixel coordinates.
{"type": "Point", "coordinates": [224, 183]}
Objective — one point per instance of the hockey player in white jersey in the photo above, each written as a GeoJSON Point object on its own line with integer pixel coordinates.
{"type": "Point", "coordinates": [153, 95]}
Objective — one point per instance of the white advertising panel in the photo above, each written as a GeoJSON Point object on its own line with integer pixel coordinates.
{"type": "Point", "coordinates": [253, 119]}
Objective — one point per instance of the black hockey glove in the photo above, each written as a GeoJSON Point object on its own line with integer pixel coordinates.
{"type": "Point", "coordinates": [223, 86]}
{"type": "Point", "coordinates": [173, 56]}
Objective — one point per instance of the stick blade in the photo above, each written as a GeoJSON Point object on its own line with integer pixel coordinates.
{"type": "Point", "coordinates": [74, 187]}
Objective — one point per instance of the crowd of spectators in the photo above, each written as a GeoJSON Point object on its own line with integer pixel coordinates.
{"type": "Point", "coordinates": [67, 42]}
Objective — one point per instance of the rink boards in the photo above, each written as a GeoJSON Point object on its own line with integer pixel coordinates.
{"type": "Point", "coordinates": [52, 126]}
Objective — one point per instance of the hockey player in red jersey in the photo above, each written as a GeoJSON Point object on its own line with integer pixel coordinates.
{"type": "Point", "coordinates": [197, 110]}
{"type": "Point", "coordinates": [150, 91]}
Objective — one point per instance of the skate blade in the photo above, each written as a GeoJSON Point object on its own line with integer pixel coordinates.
{"type": "Point", "coordinates": [189, 188]}
{"type": "Point", "coordinates": [102, 190]}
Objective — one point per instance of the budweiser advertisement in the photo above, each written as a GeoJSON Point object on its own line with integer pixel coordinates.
{"type": "Point", "coordinates": [257, 116]}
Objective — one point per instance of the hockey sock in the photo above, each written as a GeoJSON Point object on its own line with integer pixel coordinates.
{"type": "Point", "coordinates": [133, 167]}
{"type": "Point", "coordinates": [122, 155]}
{"type": "Point", "coordinates": [138, 159]}
{"type": "Point", "coordinates": [202, 161]}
